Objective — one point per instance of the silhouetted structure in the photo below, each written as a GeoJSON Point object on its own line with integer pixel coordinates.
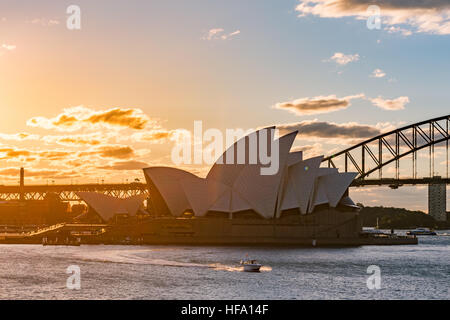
{"type": "Point", "coordinates": [437, 201]}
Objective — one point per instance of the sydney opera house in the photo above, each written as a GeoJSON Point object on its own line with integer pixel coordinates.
{"type": "Point", "coordinates": [236, 203]}
{"type": "Point", "coordinates": [230, 188]}
{"type": "Point", "coordinates": [239, 203]}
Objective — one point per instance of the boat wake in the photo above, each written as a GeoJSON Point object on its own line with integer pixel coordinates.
{"type": "Point", "coordinates": [134, 257]}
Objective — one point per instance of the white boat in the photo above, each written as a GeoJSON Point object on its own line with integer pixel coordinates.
{"type": "Point", "coordinates": [251, 265]}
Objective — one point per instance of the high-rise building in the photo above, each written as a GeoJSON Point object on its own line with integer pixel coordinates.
{"type": "Point", "coordinates": [437, 198]}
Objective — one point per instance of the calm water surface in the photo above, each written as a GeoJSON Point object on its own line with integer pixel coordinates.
{"type": "Point", "coordinates": [178, 272]}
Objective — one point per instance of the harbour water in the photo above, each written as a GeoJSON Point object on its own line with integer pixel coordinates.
{"type": "Point", "coordinates": [183, 272]}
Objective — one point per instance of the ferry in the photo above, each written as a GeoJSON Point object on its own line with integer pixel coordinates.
{"type": "Point", "coordinates": [421, 232]}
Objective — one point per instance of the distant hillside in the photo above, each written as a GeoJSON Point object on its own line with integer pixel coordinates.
{"type": "Point", "coordinates": [399, 218]}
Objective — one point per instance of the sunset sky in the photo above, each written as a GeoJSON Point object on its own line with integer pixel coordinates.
{"type": "Point", "coordinates": [102, 102]}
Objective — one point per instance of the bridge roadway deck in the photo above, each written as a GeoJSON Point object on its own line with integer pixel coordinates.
{"type": "Point", "coordinates": [398, 182]}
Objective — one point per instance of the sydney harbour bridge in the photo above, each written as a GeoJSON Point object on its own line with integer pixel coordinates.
{"type": "Point", "coordinates": [416, 154]}
{"type": "Point", "coordinates": [399, 151]}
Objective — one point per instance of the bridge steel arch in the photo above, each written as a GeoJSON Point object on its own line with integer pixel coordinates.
{"type": "Point", "coordinates": [399, 143]}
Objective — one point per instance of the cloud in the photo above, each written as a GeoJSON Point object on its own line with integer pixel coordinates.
{"type": "Point", "coordinates": [309, 150]}
{"type": "Point", "coordinates": [4, 48]}
{"type": "Point", "coordinates": [44, 22]}
{"type": "Point", "coordinates": [343, 59]}
{"type": "Point", "coordinates": [232, 34]}
{"type": "Point", "coordinates": [218, 34]}
{"type": "Point", "coordinates": [155, 136]}
{"type": "Point", "coordinates": [326, 130]}
{"type": "Point", "coordinates": [19, 136]}
{"type": "Point", "coordinates": [54, 155]}
{"type": "Point", "coordinates": [126, 165]}
{"type": "Point", "coordinates": [394, 104]}
{"type": "Point", "coordinates": [8, 47]}
{"type": "Point", "coordinates": [78, 117]}
{"type": "Point", "coordinates": [212, 33]}
{"type": "Point", "coordinates": [7, 153]}
{"type": "Point", "coordinates": [152, 136]}
{"type": "Point", "coordinates": [29, 173]}
{"type": "Point", "coordinates": [12, 153]}
{"type": "Point", "coordinates": [131, 118]}
{"type": "Point", "coordinates": [74, 140]}
{"type": "Point", "coordinates": [432, 16]}
{"type": "Point", "coordinates": [316, 105]}
{"type": "Point", "coordinates": [121, 152]}
{"type": "Point", "coordinates": [404, 32]}
{"type": "Point", "coordinates": [37, 174]}
{"type": "Point", "coordinates": [105, 151]}
{"type": "Point", "coordinates": [378, 73]}
{"type": "Point", "coordinates": [111, 151]}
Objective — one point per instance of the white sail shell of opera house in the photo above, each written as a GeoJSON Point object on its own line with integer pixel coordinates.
{"type": "Point", "coordinates": [107, 206]}
{"type": "Point", "coordinates": [233, 187]}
